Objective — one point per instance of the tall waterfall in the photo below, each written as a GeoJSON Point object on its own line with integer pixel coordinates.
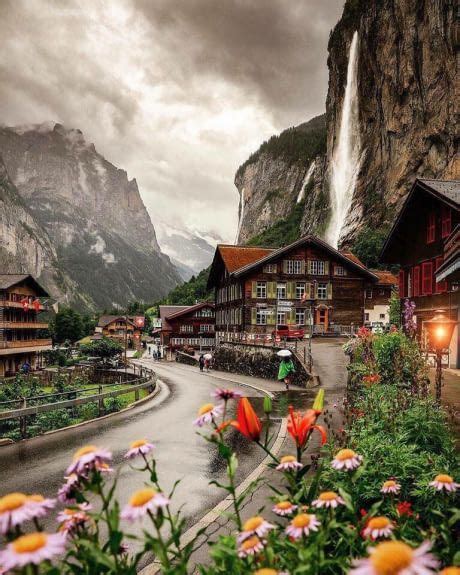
{"type": "Point", "coordinates": [241, 216]}
{"type": "Point", "coordinates": [346, 154]}
{"type": "Point", "coordinates": [308, 175]}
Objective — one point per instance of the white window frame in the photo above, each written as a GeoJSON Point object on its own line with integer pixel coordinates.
{"type": "Point", "coordinates": [261, 290]}
{"type": "Point", "coordinates": [261, 317]}
{"type": "Point", "coordinates": [186, 328]}
{"type": "Point", "coordinates": [300, 289]}
{"type": "Point", "coordinates": [368, 293]}
{"type": "Point", "coordinates": [300, 316]}
{"type": "Point", "coordinates": [293, 267]}
{"type": "Point", "coordinates": [322, 290]}
{"type": "Point", "coordinates": [281, 286]}
{"type": "Point", "coordinates": [207, 327]}
{"type": "Point", "coordinates": [281, 318]}
{"type": "Point", "coordinates": [340, 271]}
{"type": "Point", "coordinates": [270, 269]}
{"type": "Point", "coordinates": [318, 268]}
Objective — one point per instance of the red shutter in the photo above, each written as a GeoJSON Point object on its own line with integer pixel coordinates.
{"type": "Point", "coordinates": [446, 221]}
{"type": "Point", "coordinates": [431, 228]}
{"type": "Point", "coordinates": [440, 287]}
{"type": "Point", "coordinates": [416, 281]}
{"type": "Point", "coordinates": [427, 278]}
{"type": "Point", "coordinates": [402, 283]}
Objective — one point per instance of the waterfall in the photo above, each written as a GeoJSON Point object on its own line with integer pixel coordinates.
{"type": "Point", "coordinates": [346, 154]}
{"type": "Point", "coordinates": [241, 216]}
{"type": "Point", "coordinates": [308, 175]}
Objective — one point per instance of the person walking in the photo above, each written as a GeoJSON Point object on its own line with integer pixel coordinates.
{"type": "Point", "coordinates": [201, 362]}
{"type": "Point", "coordinates": [286, 370]}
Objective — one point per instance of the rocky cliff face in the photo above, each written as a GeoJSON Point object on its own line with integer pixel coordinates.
{"type": "Point", "coordinates": [100, 233]}
{"type": "Point", "coordinates": [407, 124]}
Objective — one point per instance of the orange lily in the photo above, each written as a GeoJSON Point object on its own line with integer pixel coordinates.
{"type": "Point", "coordinates": [247, 421]}
{"type": "Point", "coordinates": [300, 426]}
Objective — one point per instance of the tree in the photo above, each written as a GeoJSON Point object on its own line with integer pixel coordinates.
{"type": "Point", "coordinates": [68, 325]}
{"type": "Point", "coordinates": [104, 348]}
{"type": "Point", "coordinates": [368, 245]}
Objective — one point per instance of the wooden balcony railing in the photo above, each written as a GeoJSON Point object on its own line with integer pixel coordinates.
{"type": "Point", "coordinates": [25, 343]}
{"type": "Point", "coordinates": [17, 304]}
{"type": "Point", "coordinates": [23, 325]}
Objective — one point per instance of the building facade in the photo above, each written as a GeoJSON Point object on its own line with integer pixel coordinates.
{"type": "Point", "coordinates": [21, 327]}
{"type": "Point", "coordinates": [421, 241]}
{"type": "Point", "coordinates": [125, 330]}
{"type": "Point", "coordinates": [377, 299]}
{"type": "Point", "coordinates": [188, 326]}
{"type": "Point", "coordinates": [257, 289]}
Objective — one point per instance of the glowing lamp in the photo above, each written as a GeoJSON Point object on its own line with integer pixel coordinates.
{"type": "Point", "coordinates": [440, 329]}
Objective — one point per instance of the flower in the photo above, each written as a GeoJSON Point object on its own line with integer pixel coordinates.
{"type": "Point", "coordinates": [86, 457]}
{"type": "Point", "coordinates": [250, 546]}
{"type": "Point", "coordinates": [70, 519]}
{"type": "Point", "coordinates": [371, 379]}
{"type": "Point", "coordinates": [255, 526]}
{"type": "Point", "coordinates": [207, 413]}
{"type": "Point", "coordinates": [346, 459]}
{"type": "Point", "coordinates": [302, 524]}
{"type": "Point", "coordinates": [289, 463]}
{"type": "Point", "coordinates": [268, 571]}
{"type": "Point", "coordinates": [226, 394]}
{"type": "Point", "coordinates": [450, 571]}
{"type": "Point", "coordinates": [39, 506]}
{"type": "Point", "coordinates": [284, 508]}
{"type": "Point", "coordinates": [378, 527]}
{"type": "Point", "coordinates": [444, 482]}
{"type": "Point", "coordinates": [15, 508]}
{"type": "Point", "coordinates": [391, 486]}
{"type": "Point", "coordinates": [300, 426]}
{"type": "Point", "coordinates": [65, 493]}
{"type": "Point", "coordinates": [247, 421]}
{"type": "Point", "coordinates": [142, 502]}
{"type": "Point", "coordinates": [404, 508]}
{"type": "Point", "coordinates": [32, 548]}
{"type": "Point", "coordinates": [138, 447]}
{"type": "Point", "coordinates": [328, 499]}
{"type": "Point", "coordinates": [396, 558]}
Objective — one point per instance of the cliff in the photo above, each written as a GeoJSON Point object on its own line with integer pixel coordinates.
{"type": "Point", "coordinates": [97, 227]}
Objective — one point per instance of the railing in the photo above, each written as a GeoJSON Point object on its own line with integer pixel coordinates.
{"type": "Point", "coordinates": [23, 324]}
{"type": "Point", "coordinates": [25, 343]}
{"type": "Point", "coordinates": [17, 304]}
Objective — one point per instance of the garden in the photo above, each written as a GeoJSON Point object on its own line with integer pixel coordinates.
{"type": "Point", "coordinates": [379, 498]}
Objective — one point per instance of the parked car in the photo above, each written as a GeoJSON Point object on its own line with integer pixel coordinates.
{"type": "Point", "coordinates": [289, 332]}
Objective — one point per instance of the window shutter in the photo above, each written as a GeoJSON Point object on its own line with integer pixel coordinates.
{"type": "Point", "coordinates": [290, 316]}
{"type": "Point", "coordinates": [308, 290]}
{"type": "Point", "coordinates": [315, 287]}
{"type": "Point", "coordinates": [290, 290]}
{"type": "Point", "coordinates": [416, 281]}
{"type": "Point", "coordinates": [431, 228]}
{"type": "Point", "coordinates": [302, 267]}
{"type": "Point", "coordinates": [254, 290]}
{"type": "Point", "coordinates": [253, 316]}
{"type": "Point", "coordinates": [271, 317]}
{"type": "Point", "coordinates": [271, 290]}
{"type": "Point", "coordinates": [427, 278]}
{"type": "Point", "coordinates": [329, 290]}
{"type": "Point", "coordinates": [402, 292]}
{"type": "Point", "coordinates": [309, 266]}
{"type": "Point", "coordinates": [285, 266]}
{"type": "Point", "coordinates": [326, 268]}
{"type": "Point", "coordinates": [446, 221]}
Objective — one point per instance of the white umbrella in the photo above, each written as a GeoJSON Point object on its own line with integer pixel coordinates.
{"type": "Point", "coordinates": [284, 353]}
{"type": "Point", "coordinates": [207, 356]}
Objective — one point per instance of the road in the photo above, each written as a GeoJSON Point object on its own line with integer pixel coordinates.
{"type": "Point", "coordinates": [38, 465]}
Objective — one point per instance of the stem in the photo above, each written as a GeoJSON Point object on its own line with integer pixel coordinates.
{"type": "Point", "coordinates": [164, 548]}
{"type": "Point", "coordinates": [275, 459]}
{"type": "Point", "coordinates": [105, 509]}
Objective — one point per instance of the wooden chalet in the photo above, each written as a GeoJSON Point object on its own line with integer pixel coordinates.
{"type": "Point", "coordinates": [188, 326]}
{"type": "Point", "coordinates": [257, 288]}
{"type": "Point", "coordinates": [124, 330]}
{"type": "Point", "coordinates": [424, 241]}
{"type": "Point", "coordinates": [377, 297]}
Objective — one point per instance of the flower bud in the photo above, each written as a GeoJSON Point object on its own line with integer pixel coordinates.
{"type": "Point", "coordinates": [267, 404]}
{"type": "Point", "coordinates": [319, 401]}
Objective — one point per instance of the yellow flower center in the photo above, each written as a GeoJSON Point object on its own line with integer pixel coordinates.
{"type": "Point", "coordinates": [328, 496]}
{"type": "Point", "coordinates": [250, 543]}
{"type": "Point", "coordinates": [344, 454]}
{"type": "Point", "coordinates": [378, 523]}
{"type": "Point", "coordinates": [288, 459]}
{"type": "Point", "coordinates": [253, 523]}
{"type": "Point", "coordinates": [284, 505]}
{"type": "Point", "coordinates": [266, 571]}
{"type": "Point", "coordinates": [138, 443]}
{"type": "Point", "coordinates": [391, 557]}
{"type": "Point", "coordinates": [389, 483]}
{"type": "Point", "coordinates": [450, 571]}
{"type": "Point", "coordinates": [70, 512]}
{"type": "Point", "coordinates": [84, 451]}
{"type": "Point", "coordinates": [301, 520]}
{"type": "Point", "coordinates": [30, 543]}
{"type": "Point", "coordinates": [36, 498]}
{"type": "Point", "coordinates": [444, 478]}
{"type": "Point", "coordinates": [142, 497]}
{"type": "Point", "coordinates": [12, 501]}
{"type": "Point", "coordinates": [206, 408]}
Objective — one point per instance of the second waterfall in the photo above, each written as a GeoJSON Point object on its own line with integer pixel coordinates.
{"type": "Point", "coordinates": [346, 154]}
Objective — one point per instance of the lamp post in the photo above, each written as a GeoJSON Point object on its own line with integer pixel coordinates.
{"type": "Point", "coordinates": [440, 329]}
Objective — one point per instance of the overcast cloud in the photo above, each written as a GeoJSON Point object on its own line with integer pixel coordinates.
{"type": "Point", "coordinates": [176, 92]}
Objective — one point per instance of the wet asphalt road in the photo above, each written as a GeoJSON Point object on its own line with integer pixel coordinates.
{"type": "Point", "coordinates": [38, 465]}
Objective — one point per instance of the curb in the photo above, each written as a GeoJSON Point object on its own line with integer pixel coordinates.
{"type": "Point", "coordinates": [224, 504]}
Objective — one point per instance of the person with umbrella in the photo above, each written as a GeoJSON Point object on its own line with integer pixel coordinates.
{"type": "Point", "coordinates": [286, 367]}
{"type": "Point", "coordinates": [207, 361]}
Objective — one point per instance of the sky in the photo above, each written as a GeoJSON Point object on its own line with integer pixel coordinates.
{"type": "Point", "coordinates": [176, 92]}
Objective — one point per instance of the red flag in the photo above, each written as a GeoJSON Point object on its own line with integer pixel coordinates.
{"type": "Point", "coordinates": [25, 303]}
{"type": "Point", "coordinates": [139, 321]}
{"type": "Point", "coordinates": [36, 303]}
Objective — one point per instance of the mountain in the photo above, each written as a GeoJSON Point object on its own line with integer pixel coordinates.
{"type": "Point", "coordinates": [390, 117]}
{"type": "Point", "coordinates": [190, 251]}
{"type": "Point", "coordinates": [101, 235]}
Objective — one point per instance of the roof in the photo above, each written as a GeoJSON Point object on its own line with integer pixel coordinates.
{"type": "Point", "coordinates": [352, 257]}
{"type": "Point", "coordinates": [104, 320]}
{"type": "Point", "coordinates": [166, 311]}
{"type": "Point", "coordinates": [385, 277]}
{"type": "Point", "coordinates": [449, 189]}
{"type": "Point", "coordinates": [10, 280]}
{"type": "Point", "coordinates": [236, 257]}
{"type": "Point", "coordinates": [189, 309]}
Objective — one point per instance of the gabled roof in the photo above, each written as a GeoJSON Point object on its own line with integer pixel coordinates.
{"type": "Point", "coordinates": [10, 280]}
{"type": "Point", "coordinates": [448, 189]}
{"type": "Point", "coordinates": [352, 257]}
{"type": "Point", "coordinates": [385, 277]}
{"type": "Point", "coordinates": [105, 320]}
{"type": "Point", "coordinates": [189, 309]}
{"type": "Point", "coordinates": [236, 257]}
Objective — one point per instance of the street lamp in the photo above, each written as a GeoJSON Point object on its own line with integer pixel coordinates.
{"type": "Point", "coordinates": [440, 329]}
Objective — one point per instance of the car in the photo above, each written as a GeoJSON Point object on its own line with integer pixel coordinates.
{"type": "Point", "coordinates": [289, 332]}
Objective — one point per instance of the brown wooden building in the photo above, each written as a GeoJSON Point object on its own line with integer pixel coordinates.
{"type": "Point", "coordinates": [423, 235]}
{"type": "Point", "coordinates": [188, 326]}
{"type": "Point", "coordinates": [377, 298]}
{"type": "Point", "coordinates": [21, 328]}
{"type": "Point", "coordinates": [120, 328]}
{"type": "Point", "coordinates": [258, 288]}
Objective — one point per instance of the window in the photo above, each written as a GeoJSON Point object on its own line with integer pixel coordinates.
{"type": "Point", "coordinates": [366, 317]}
{"type": "Point", "coordinates": [368, 294]}
{"type": "Point", "coordinates": [446, 221]}
{"type": "Point", "coordinates": [440, 287]}
{"type": "Point", "coordinates": [402, 284]}
{"type": "Point", "coordinates": [416, 281]}
{"type": "Point", "coordinates": [207, 327]}
{"type": "Point", "coordinates": [317, 268]}
{"type": "Point", "coordinates": [281, 291]}
{"type": "Point", "coordinates": [427, 278]}
{"type": "Point", "coordinates": [186, 328]}
{"type": "Point", "coordinates": [381, 292]}
{"type": "Point", "coordinates": [382, 316]}
{"type": "Point", "coordinates": [299, 290]}
{"type": "Point", "coordinates": [281, 318]}
{"type": "Point", "coordinates": [261, 290]}
{"type": "Point", "coordinates": [300, 316]}
{"type": "Point", "coordinates": [322, 291]}
{"type": "Point", "coordinates": [270, 269]}
{"type": "Point", "coordinates": [261, 317]}
{"type": "Point", "coordinates": [340, 271]}
{"type": "Point", "coordinates": [431, 228]}
{"type": "Point", "coordinates": [293, 267]}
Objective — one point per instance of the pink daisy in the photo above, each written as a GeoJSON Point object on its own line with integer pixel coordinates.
{"type": "Point", "coordinates": [255, 526]}
{"type": "Point", "coordinates": [250, 546]}
{"type": "Point", "coordinates": [15, 508]}
{"type": "Point", "coordinates": [67, 491]}
{"type": "Point", "coordinates": [139, 447]}
{"type": "Point", "coordinates": [444, 482]}
{"type": "Point", "coordinates": [302, 524]}
{"type": "Point", "coordinates": [226, 394]}
{"type": "Point", "coordinates": [207, 413]}
{"type": "Point", "coordinates": [143, 501]}
{"type": "Point", "coordinates": [284, 508]}
{"type": "Point", "coordinates": [346, 459]}
{"type": "Point", "coordinates": [32, 548]}
{"type": "Point", "coordinates": [396, 558]}
{"type": "Point", "coordinates": [289, 463]}
{"type": "Point", "coordinates": [39, 505]}
{"type": "Point", "coordinates": [70, 519]}
{"type": "Point", "coordinates": [328, 499]}
{"type": "Point", "coordinates": [378, 527]}
{"type": "Point", "coordinates": [86, 458]}
{"type": "Point", "coordinates": [391, 486]}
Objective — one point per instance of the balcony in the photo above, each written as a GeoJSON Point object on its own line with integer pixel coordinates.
{"type": "Point", "coordinates": [17, 305]}
{"type": "Point", "coordinates": [23, 325]}
{"type": "Point", "coordinates": [24, 345]}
